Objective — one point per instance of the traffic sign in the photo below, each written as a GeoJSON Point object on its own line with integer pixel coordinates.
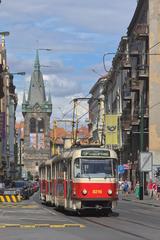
{"type": "Point", "coordinates": [121, 169]}
{"type": "Point", "coordinates": [126, 166]}
{"type": "Point", "coordinates": [146, 160]}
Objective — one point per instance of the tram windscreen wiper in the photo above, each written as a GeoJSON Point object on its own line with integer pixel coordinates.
{"type": "Point", "coordinates": [107, 176]}
{"type": "Point", "coordinates": [89, 177]}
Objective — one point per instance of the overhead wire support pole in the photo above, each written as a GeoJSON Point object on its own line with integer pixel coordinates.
{"type": "Point", "coordinates": [73, 121]}
{"type": "Point", "coordinates": [75, 115]}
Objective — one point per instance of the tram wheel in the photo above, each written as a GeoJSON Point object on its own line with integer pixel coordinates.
{"type": "Point", "coordinates": [108, 212]}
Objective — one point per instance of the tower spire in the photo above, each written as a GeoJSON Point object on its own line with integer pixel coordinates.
{"type": "Point", "coordinates": [36, 92]}
{"type": "Point", "coordinates": [24, 98]}
{"type": "Point", "coordinates": [49, 98]}
{"type": "Point", "coordinates": [37, 63]}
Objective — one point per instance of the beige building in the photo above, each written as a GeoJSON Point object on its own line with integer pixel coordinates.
{"type": "Point", "coordinates": [154, 80]}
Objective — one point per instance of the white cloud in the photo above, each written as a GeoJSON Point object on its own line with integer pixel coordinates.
{"type": "Point", "coordinates": [79, 33]}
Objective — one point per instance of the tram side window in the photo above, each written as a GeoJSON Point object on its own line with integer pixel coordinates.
{"type": "Point", "coordinates": [48, 173]}
{"type": "Point", "coordinates": [77, 169]}
{"type": "Point", "coordinates": [53, 171]}
{"type": "Point", "coordinates": [58, 170]}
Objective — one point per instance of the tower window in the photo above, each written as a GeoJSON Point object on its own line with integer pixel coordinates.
{"type": "Point", "coordinates": [41, 125]}
{"type": "Point", "coordinates": [32, 125]}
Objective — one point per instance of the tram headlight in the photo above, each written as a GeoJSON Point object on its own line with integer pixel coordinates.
{"type": "Point", "coordinates": [109, 192]}
{"type": "Point", "coordinates": [84, 192]}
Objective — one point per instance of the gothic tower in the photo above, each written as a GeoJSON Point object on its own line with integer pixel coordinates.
{"type": "Point", "coordinates": [36, 111]}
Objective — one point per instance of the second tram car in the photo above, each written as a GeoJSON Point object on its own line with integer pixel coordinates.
{"type": "Point", "coordinates": [82, 178]}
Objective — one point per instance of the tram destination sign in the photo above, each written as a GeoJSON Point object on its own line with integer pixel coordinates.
{"type": "Point", "coordinates": [97, 153]}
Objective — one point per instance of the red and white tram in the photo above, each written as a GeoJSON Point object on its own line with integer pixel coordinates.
{"type": "Point", "coordinates": [80, 178]}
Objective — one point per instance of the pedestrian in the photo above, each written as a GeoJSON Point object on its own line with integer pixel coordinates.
{"type": "Point", "coordinates": [150, 188]}
{"type": "Point", "coordinates": [154, 187]}
{"type": "Point", "coordinates": [137, 190]}
{"type": "Point", "coordinates": [158, 191]}
{"type": "Point", "coordinates": [125, 187]}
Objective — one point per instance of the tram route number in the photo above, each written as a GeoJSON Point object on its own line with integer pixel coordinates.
{"type": "Point", "coordinates": [97, 191]}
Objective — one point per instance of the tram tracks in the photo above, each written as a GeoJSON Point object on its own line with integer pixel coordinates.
{"type": "Point", "coordinates": [114, 225]}
{"type": "Point", "coordinates": [118, 229]}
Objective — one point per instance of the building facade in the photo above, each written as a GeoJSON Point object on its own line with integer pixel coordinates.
{"type": "Point", "coordinates": [154, 81]}
{"type": "Point", "coordinates": [8, 103]}
{"type": "Point", "coordinates": [132, 88]}
{"type": "Point", "coordinates": [36, 111]}
{"type": "Point", "coordinates": [96, 111]}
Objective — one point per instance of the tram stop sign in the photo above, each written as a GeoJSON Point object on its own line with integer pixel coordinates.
{"type": "Point", "coordinates": [146, 162]}
{"type": "Point", "coordinates": [121, 169]}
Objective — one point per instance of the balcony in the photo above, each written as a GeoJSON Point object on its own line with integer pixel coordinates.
{"type": "Point", "coordinates": [141, 31]}
{"type": "Point", "coordinates": [125, 63]}
{"type": "Point", "coordinates": [135, 85]}
{"type": "Point", "coordinates": [143, 72]}
{"type": "Point", "coordinates": [126, 124]}
{"type": "Point", "coordinates": [135, 117]}
{"type": "Point", "coordinates": [146, 112]}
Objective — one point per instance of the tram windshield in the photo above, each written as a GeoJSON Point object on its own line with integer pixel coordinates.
{"type": "Point", "coordinates": [94, 168]}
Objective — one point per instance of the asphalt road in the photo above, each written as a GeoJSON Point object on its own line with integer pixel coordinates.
{"type": "Point", "coordinates": [29, 220]}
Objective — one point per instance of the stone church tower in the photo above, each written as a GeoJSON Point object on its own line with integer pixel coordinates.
{"type": "Point", "coordinates": [36, 111]}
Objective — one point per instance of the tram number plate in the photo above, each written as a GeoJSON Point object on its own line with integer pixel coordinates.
{"type": "Point", "coordinates": [97, 191]}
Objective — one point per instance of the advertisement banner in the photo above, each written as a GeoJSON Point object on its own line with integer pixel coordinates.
{"type": "Point", "coordinates": [41, 140]}
{"type": "Point", "coordinates": [33, 141]}
{"type": "Point", "coordinates": [112, 130]}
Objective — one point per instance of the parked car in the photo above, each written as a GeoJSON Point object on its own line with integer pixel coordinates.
{"type": "Point", "coordinates": [2, 187]}
{"type": "Point", "coordinates": [35, 186]}
{"type": "Point", "coordinates": [21, 188]}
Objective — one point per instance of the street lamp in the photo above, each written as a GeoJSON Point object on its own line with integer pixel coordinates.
{"type": "Point", "coordinates": [18, 73]}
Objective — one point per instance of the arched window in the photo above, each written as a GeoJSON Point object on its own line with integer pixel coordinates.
{"type": "Point", "coordinates": [32, 125]}
{"type": "Point", "coordinates": [40, 125]}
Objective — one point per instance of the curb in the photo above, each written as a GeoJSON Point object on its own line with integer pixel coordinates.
{"type": "Point", "coordinates": [141, 202]}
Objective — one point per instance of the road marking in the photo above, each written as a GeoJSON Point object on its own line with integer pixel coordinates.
{"type": "Point", "coordinates": [18, 206]}
{"type": "Point", "coordinates": [74, 225]}
{"type": "Point", "coordinates": [41, 225]}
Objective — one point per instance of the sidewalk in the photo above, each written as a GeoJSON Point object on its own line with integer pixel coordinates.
{"type": "Point", "coordinates": [146, 200]}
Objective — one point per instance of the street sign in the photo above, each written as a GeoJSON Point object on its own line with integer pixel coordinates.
{"type": "Point", "coordinates": [126, 166]}
{"type": "Point", "coordinates": [146, 161]}
{"type": "Point", "coordinates": [121, 169]}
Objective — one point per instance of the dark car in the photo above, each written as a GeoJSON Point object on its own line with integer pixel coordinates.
{"type": "Point", "coordinates": [21, 188]}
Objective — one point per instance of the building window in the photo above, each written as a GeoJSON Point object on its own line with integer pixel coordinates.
{"type": "Point", "coordinates": [32, 125]}
{"type": "Point", "coordinates": [41, 125]}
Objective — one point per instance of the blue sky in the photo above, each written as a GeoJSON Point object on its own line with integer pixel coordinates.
{"type": "Point", "coordinates": [78, 32]}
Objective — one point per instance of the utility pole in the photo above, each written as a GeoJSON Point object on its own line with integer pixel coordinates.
{"type": "Point", "coordinates": [142, 144]}
{"type": "Point", "coordinates": [74, 136]}
{"type": "Point", "coordinates": [55, 131]}
{"type": "Point", "coordinates": [75, 117]}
